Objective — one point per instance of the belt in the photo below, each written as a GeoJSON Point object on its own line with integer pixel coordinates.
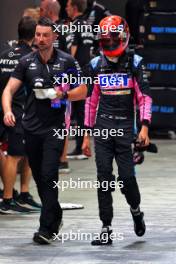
{"type": "Point", "coordinates": [113, 117]}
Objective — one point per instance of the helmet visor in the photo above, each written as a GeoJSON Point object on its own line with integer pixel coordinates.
{"type": "Point", "coordinates": [111, 41]}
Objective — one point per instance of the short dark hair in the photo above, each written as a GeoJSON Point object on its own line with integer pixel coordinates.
{"type": "Point", "coordinates": [26, 28]}
{"type": "Point", "coordinates": [80, 4]}
{"type": "Point", "coordinates": [46, 22]}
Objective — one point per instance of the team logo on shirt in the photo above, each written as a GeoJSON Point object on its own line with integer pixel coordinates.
{"type": "Point", "coordinates": [11, 54]}
{"type": "Point", "coordinates": [56, 67]}
{"type": "Point", "coordinates": [32, 66]}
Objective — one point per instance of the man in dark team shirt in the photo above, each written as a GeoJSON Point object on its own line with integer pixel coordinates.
{"type": "Point", "coordinates": [51, 10]}
{"type": "Point", "coordinates": [94, 13]}
{"type": "Point", "coordinates": [44, 116]}
{"type": "Point", "coordinates": [133, 11]}
{"type": "Point", "coordinates": [80, 45]}
{"type": "Point", "coordinates": [80, 42]}
{"type": "Point", "coordinates": [9, 59]}
{"type": "Point", "coordinates": [63, 4]}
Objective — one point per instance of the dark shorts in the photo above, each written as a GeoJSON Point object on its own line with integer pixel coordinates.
{"type": "Point", "coordinates": [16, 143]}
{"type": "Point", "coordinates": [3, 134]}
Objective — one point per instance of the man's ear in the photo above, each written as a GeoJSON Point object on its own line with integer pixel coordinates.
{"type": "Point", "coordinates": [75, 8]}
{"type": "Point", "coordinates": [55, 36]}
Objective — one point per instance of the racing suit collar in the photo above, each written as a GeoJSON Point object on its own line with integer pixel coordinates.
{"type": "Point", "coordinates": [122, 59]}
{"type": "Point", "coordinates": [113, 59]}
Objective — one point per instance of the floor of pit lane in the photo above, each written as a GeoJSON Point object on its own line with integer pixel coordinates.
{"type": "Point", "coordinates": [157, 181]}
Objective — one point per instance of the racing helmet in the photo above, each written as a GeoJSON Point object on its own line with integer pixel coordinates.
{"type": "Point", "coordinates": [113, 36]}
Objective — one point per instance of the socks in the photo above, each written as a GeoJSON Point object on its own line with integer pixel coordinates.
{"type": "Point", "coordinates": [135, 211]}
{"type": "Point", "coordinates": [24, 195]}
{"type": "Point", "coordinates": [106, 223]}
{"type": "Point", "coordinates": [106, 229]}
{"type": "Point", "coordinates": [7, 201]}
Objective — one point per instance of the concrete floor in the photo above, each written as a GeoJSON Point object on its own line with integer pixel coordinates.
{"type": "Point", "coordinates": [157, 181]}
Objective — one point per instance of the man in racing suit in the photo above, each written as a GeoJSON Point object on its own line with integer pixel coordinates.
{"type": "Point", "coordinates": [121, 83]}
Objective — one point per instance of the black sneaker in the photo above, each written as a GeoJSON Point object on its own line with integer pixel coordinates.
{"type": "Point", "coordinates": [26, 201]}
{"type": "Point", "coordinates": [15, 194]}
{"type": "Point", "coordinates": [104, 238]}
{"type": "Point", "coordinates": [42, 238]}
{"type": "Point", "coordinates": [64, 167]}
{"type": "Point", "coordinates": [139, 224]}
{"type": "Point", "coordinates": [76, 155]}
{"type": "Point", "coordinates": [12, 208]}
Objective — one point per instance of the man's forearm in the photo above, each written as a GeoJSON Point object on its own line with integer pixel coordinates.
{"type": "Point", "coordinates": [74, 50]}
{"type": "Point", "coordinates": [7, 96]}
{"type": "Point", "coordinates": [145, 128]}
{"type": "Point", "coordinates": [78, 93]}
{"type": "Point", "coordinates": [7, 101]}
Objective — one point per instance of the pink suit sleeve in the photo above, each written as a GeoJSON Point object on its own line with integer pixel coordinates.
{"type": "Point", "coordinates": [91, 107]}
{"type": "Point", "coordinates": [144, 102]}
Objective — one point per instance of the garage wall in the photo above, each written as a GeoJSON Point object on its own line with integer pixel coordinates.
{"type": "Point", "coordinates": [117, 7]}
{"type": "Point", "coordinates": [11, 11]}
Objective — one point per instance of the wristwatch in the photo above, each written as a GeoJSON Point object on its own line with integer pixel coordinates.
{"type": "Point", "coordinates": [64, 96]}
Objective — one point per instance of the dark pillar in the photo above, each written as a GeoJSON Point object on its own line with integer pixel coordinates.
{"type": "Point", "coordinates": [10, 14]}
